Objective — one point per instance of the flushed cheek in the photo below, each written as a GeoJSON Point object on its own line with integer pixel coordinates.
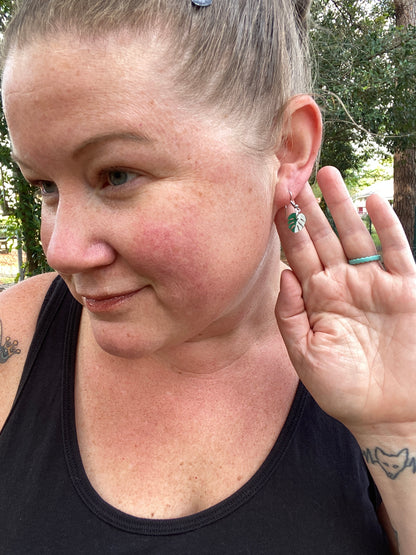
{"type": "Point", "coordinates": [197, 265]}
{"type": "Point", "coordinates": [175, 259]}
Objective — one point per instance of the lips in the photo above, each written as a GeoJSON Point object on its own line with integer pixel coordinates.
{"type": "Point", "coordinates": [107, 302]}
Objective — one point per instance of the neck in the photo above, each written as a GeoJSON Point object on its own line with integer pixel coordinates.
{"type": "Point", "coordinates": [209, 371]}
{"type": "Point", "coordinates": [234, 341]}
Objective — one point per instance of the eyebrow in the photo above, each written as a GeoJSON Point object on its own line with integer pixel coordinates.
{"type": "Point", "coordinates": [19, 161]}
{"type": "Point", "coordinates": [98, 140]}
{"type": "Point", "coordinates": [16, 159]}
{"type": "Point", "coordinates": [110, 137]}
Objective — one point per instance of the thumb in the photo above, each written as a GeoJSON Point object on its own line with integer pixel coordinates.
{"type": "Point", "coordinates": [291, 315]}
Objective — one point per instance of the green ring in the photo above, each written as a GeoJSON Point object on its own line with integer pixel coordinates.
{"type": "Point", "coordinates": [355, 261]}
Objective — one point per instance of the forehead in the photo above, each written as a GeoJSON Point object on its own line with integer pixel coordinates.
{"type": "Point", "coordinates": [59, 93]}
{"type": "Point", "coordinates": [64, 86]}
{"type": "Point", "coordinates": [64, 63]}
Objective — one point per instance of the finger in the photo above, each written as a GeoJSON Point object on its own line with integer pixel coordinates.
{"type": "Point", "coordinates": [326, 243]}
{"type": "Point", "coordinates": [314, 248]}
{"type": "Point", "coordinates": [397, 255]}
{"type": "Point", "coordinates": [298, 248]}
{"type": "Point", "coordinates": [291, 315]}
{"type": "Point", "coordinates": [353, 234]}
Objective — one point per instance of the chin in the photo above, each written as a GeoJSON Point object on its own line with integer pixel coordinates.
{"type": "Point", "coordinates": [123, 352]}
{"type": "Point", "coordinates": [127, 349]}
{"type": "Point", "coordinates": [124, 344]}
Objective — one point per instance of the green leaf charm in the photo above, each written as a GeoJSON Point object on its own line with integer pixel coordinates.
{"type": "Point", "coordinates": [296, 222]}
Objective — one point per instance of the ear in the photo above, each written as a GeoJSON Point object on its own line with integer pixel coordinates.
{"type": "Point", "coordinates": [298, 147]}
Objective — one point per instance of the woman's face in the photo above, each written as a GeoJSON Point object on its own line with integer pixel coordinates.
{"type": "Point", "coordinates": [156, 217]}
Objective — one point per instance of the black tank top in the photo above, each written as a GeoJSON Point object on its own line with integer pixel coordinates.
{"type": "Point", "coordinates": [311, 496]}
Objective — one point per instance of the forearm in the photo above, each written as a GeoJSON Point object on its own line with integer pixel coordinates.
{"type": "Point", "coordinates": [392, 463]}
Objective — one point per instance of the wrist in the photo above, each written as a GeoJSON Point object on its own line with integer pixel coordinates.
{"type": "Point", "coordinates": [385, 432]}
{"type": "Point", "coordinates": [389, 451]}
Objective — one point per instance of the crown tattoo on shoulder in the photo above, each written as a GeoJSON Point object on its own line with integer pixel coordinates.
{"type": "Point", "coordinates": [8, 348]}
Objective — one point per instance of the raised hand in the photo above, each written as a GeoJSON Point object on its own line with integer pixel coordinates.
{"type": "Point", "coordinates": [350, 330]}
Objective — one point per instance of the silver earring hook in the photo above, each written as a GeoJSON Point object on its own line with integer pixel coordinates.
{"type": "Point", "coordinates": [297, 220]}
{"type": "Point", "coordinates": [293, 203]}
{"type": "Point", "coordinates": [202, 3]}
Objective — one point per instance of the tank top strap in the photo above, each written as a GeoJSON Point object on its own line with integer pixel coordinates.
{"type": "Point", "coordinates": [56, 295]}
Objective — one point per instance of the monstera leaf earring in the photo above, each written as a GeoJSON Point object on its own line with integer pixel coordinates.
{"type": "Point", "coordinates": [296, 220]}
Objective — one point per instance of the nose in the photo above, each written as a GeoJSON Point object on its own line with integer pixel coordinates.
{"type": "Point", "coordinates": [74, 238]}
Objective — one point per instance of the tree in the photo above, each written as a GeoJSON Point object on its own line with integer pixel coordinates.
{"type": "Point", "coordinates": [364, 52]}
{"type": "Point", "coordinates": [17, 199]}
{"type": "Point", "coordinates": [366, 84]}
{"type": "Point", "coordinates": [405, 160]}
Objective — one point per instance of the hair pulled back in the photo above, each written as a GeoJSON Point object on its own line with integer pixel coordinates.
{"type": "Point", "coordinates": [244, 57]}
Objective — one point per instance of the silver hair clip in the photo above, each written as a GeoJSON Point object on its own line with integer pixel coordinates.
{"type": "Point", "coordinates": [202, 3]}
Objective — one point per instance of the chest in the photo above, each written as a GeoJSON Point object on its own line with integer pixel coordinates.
{"type": "Point", "coordinates": [313, 477]}
{"type": "Point", "coordinates": [167, 454]}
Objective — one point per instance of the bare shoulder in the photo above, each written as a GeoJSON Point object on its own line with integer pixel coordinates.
{"type": "Point", "coordinates": [19, 310]}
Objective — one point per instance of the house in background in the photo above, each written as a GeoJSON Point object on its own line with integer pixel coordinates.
{"type": "Point", "coordinates": [383, 188]}
{"type": "Point", "coordinates": [11, 258]}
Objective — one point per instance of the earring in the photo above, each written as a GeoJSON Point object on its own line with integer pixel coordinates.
{"type": "Point", "coordinates": [297, 220]}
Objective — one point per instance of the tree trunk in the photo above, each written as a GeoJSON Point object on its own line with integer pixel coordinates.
{"type": "Point", "coordinates": [405, 12]}
{"type": "Point", "coordinates": [405, 162]}
{"type": "Point", "coordinates": [405, 190]}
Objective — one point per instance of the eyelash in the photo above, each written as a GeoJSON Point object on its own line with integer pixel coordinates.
{"type": "Point", "coordinates": [39, 187]}
{"type": "Point", "coordinates": [103, 179]}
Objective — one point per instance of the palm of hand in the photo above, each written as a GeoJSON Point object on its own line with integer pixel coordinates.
{"type": "Point", "coordinates": [350, 330]}
{"type": "Point", "coordinates": [357, 347]}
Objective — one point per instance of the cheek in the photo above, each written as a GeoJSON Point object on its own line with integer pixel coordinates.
{"type": "Point", "coordinates": [46, 228]}
{"type": "Point", "coordinates": [201, 255]}
{"type": "Point", "coordinates": [175, 254]}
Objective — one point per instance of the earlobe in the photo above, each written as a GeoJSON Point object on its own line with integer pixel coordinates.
{"type": "Point", "coordinates": [298, 147]}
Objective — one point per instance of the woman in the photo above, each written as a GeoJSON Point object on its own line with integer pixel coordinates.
{"type": "Point", "coordinates": [152, 403]}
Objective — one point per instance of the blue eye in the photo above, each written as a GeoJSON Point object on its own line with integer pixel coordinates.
{"type": "Point", "coordinates": [119, 177]}
{"type": "Point", "coordinates": [47, 187]}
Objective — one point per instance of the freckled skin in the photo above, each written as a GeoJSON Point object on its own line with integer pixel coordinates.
{"type": "Point", "coordinates": [194, 228]}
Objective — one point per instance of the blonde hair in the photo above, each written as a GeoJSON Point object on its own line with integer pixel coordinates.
{"type": "Point", "coordinates": [244, 57]}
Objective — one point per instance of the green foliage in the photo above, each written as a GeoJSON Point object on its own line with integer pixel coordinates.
{"type": "Point", "coordinates": [22, 209]}
{"type": "Point", "coordinates": [365, 84]}
{"type": "Point", "coordinates": [17, 200]}
{"type": "Point", "coordinates": [6, 7]}
{"type": "Point", "coordinates": [369, 174]}
{"type": "Point", "coordinates": [27, 213]}
{"type": "Point", "coordinates": [365, 80]}
{"type": "Point", "coordinates": [372, 231]}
